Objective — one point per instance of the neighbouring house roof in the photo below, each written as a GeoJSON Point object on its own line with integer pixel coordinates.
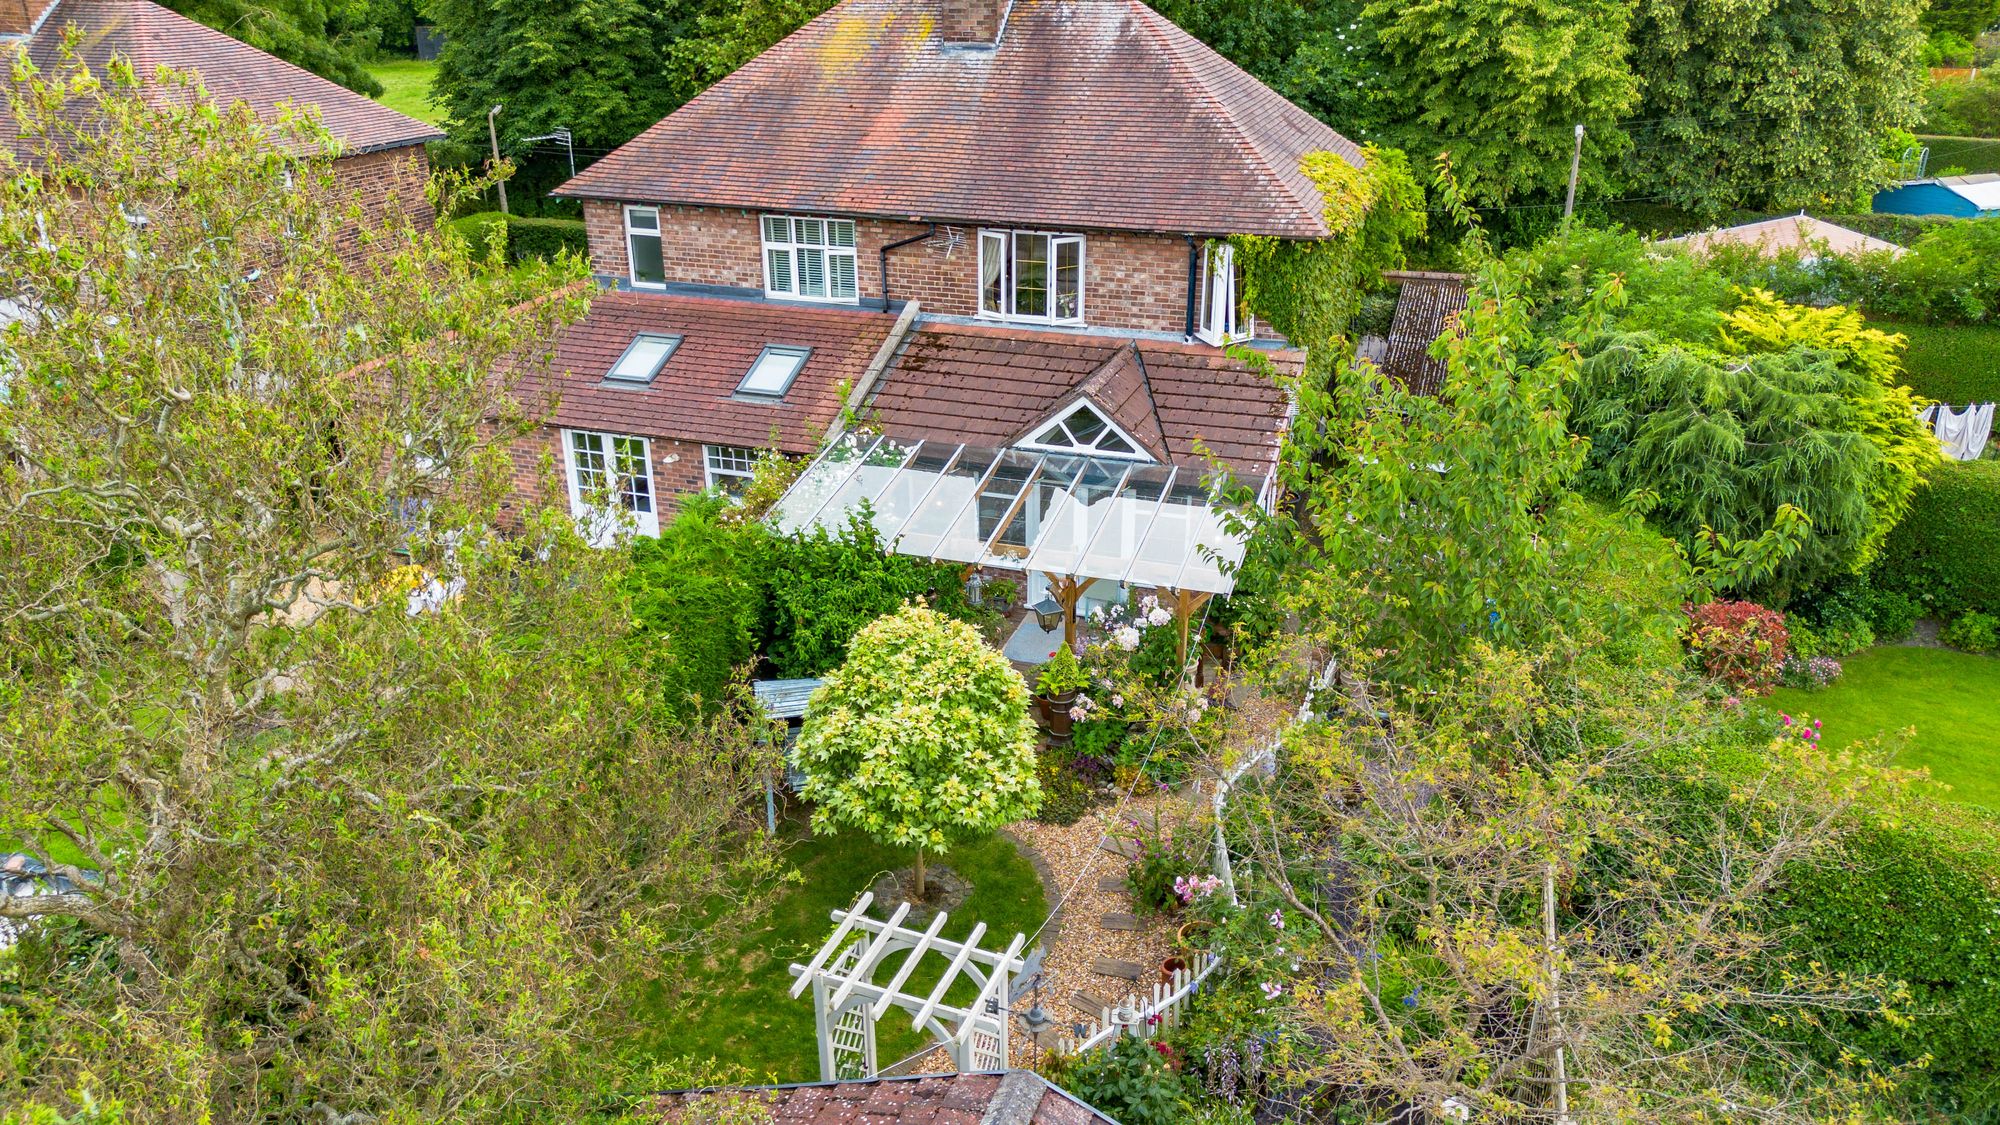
{"type": "Point", "coordinates": [151, 37]}
{"type": "Point", "coordinates": [1801, 233]}
{"type": "Point", "coordinates": [1016, 1097]}
{"type": "Point", "coordinates": [1981, 189]}
{"type": "Point", "coordinates": [1097, 114]}
{"type": "Point", "coordinates": [990, 386]}
{"type": "Point", "coordinates": [694, 396]}
{"type": "Point", "coordinates": [1427, 307]}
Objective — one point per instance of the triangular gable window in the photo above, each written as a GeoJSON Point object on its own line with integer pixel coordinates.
{"type": "Point", "coordinates": [1084, 430]}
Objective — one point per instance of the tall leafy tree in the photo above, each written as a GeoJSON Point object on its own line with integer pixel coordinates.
{"type": "Point", "coordinates": [354, 811]}
{"type": "Point", "coordinates": [332, 38]}
{"type": "Point", "coordinates": [1501, 86]}
{"type": "Point", "coordinates": [1771, 104]}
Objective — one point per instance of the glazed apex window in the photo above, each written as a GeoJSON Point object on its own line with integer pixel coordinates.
{"type": "Point", "coordinates": [1031, 276]}
{"type": "Point", "coordinates": [642, 246]}
{"type": "Point", "coordinates": [809, 259]}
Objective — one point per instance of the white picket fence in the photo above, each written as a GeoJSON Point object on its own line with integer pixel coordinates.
{"type": "Point", "coordinates": [1143, 1015]}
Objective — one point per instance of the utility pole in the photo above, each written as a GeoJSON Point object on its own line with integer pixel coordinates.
{"type": "Point", "coordinates": [1555, 978]}
{"type": "Point", "coordinates": [1575, 165]}
{"type": "Point", "coordinates": [493, 135]}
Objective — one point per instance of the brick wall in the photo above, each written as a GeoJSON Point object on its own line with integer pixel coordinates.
{"type": "Point", "coordinates": [1134, 281]}
{"type": "Point", "coordinates": [392, 177]}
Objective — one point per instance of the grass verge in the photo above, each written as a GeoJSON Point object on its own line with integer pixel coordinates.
{"type": "Point", "coordinates": [406, 87]}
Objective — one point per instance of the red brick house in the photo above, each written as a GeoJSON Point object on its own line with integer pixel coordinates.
{"type": "Point", "coordinates": [986, 222]}
{"type": "Point", "coordinates": [381, 152]}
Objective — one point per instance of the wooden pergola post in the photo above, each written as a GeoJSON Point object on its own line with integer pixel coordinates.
{"type": "Point", "coordinates": [1186, 603]}
{"type": "Point", "coordinates": [1067, 590]}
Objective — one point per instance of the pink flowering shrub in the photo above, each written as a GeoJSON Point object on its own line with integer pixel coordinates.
{"type": "Point", "coordinates": [1741, 644]}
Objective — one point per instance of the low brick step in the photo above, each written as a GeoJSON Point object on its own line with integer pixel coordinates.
{"type": "Point", "coordinates": [1118, 921]}
{"type": "Point", "coordinates": [1118, 845]}
{"type": "Point", "coordinates": [1112, 967]}
{"type": "Point", "coordinates": [1111, 882]}
{"type": "Point", "coordinates": [1087, 1004]}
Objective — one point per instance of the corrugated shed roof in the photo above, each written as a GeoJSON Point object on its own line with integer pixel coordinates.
{"type": "Point", "coordinates": [152, 37]}
{"type": "Point", "coordinates": [987, 386]}
{"type": "Point", "coordinates": [1427, 308]}
{"type": "Point", "coordinates": [1094, 114]}
{"type": "Point", "coordinates": [694, 398]}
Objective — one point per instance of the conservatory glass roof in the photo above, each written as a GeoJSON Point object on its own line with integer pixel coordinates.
{"type": "Point", "coordinates": [1017, 509]}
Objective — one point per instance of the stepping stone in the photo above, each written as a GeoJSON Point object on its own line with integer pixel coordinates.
{"type": "Point", "coordinates": [1112, 967]}
{"type": "Point", "coordinates": [1111, 882]}
{"type": "Point", "coordinates": [1117, 921]}
{"type": "Point", "coordinates": [1087, 1004]}
{"type": "Point", "coordinates": [1118, 845]}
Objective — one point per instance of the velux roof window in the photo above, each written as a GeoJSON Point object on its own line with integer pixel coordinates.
{"type": "Point", "coordinates": [771, 376]}
{"type": "Point", "coordinates": [643, 358]}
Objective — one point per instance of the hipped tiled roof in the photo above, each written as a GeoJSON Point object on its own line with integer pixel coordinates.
{"type": "Point", "coordinates": [1097, 114]}
{"type": "Point", "coordinates": [1428, 307]}
{"type": "Point", "coordinates": [987, 386]}
{"type": "Point", "coordinates": [693, 398]}
{"type": "Point", "coordinates": [151, 37]}
{"type": "Point", "coordinates": [1017, 1097]}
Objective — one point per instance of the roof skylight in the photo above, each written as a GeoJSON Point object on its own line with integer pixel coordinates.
{"type": "Point", "coordinates": [643, 358]}
{"type": "Point", "coordinates": [771, 376]}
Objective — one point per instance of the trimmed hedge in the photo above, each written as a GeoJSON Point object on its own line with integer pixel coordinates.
{"type": "Point", "coordinates": [1946, 552]}
{"type": "Point", "coordinates": [698, 595]}
{"type": "Point", "coordinates": [522, 238]}
{"type": "Point", "coordinates": [1955, 363]}
{"type": "Point", "coordinates": [1918, 903]}
{"type": "Point", "coordinates": [1903, 230]}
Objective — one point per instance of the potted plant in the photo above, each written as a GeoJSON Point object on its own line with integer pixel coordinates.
{"type": "Point", "coordinates": [1056, 687]}
{"type": "Point", "coordinates": [1002, 595]}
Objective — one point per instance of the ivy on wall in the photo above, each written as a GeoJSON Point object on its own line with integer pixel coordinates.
{"type": "Point", "coordinates": [1309, 290]}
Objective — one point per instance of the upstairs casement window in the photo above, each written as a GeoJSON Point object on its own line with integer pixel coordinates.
{"type": "Point", "coordinates": [1082, 429]}
{"type": "Point", "coordinates": [642, 246]}
{"type": "Point", "coordinates": [1222, 316]}
{"type": "Point", "coordinates": [1030, 276]}
{"type": "Point", "coordinates": [611, 485]}
{"type": "Point", "coordinates": [809, 259]}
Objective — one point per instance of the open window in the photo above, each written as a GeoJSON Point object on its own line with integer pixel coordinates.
{"type": "Point", "coordinates": [611, 485]}
{"type": "Point", "coordinates": [1084, 429]}
{"type": "Point", "coordinates": [1223, 318]}
{"type": "Point", "coordinates": [1031, 276]}
{"type": "Point", "coordinates": [642, 247]}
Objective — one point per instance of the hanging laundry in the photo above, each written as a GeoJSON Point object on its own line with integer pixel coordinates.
{"type": "Point", "coordinates": [1963, 433]}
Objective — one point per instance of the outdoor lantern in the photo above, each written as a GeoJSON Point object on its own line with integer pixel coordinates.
{"type": "Point", "coordinates": [1048, 614]}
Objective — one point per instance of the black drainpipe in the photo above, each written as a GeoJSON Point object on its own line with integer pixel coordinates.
{"type": "Point", "coordinates": [885, 260]}
{"type": "Point", "coordinates": [1194, 275]}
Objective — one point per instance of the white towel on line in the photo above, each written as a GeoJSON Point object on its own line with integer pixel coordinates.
{"type": "Point", "coordinates": [1963, 433]}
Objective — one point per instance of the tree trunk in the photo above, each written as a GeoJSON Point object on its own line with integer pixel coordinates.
{"type": "Point", "coordinates": [920, 875]}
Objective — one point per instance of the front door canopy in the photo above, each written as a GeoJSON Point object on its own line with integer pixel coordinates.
{"type": "Point", "coordinates": [1018, 509]}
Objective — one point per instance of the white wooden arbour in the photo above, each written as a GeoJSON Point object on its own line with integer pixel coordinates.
{"type": "Point", "coordinates": [847, 1003]}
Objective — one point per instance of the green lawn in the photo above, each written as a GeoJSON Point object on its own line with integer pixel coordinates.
{"type": "Point", "coordinates": [1951, 698]}
{"type": "Point", "coordinates": [738, 1009]}
{"type": "Point", "coordinates": [406, 87]}
{"type": "Point", "coordinates": [1953, 362]}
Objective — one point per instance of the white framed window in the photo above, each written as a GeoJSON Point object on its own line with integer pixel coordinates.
{"type": "Point", "coordinates": [611, 485]}
{"type": "Point", "coordinates": [1223, 317]}
{"type": "Point", "coordinates": [642, 247]}
{"type": "Point", "coordinates": [1031, 276]}
{"type": "Point", "coordinates": [1084, 429]}
{"type": "Point", "coordinates": [729, 467]}
{"type": "Point", "coordinates": [808, 259]}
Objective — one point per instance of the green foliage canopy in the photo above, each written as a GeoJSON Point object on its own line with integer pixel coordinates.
{"type": "Point", "coordinates": [1770, 103]}
{"type": "Point", "coordinates": [921, 737]}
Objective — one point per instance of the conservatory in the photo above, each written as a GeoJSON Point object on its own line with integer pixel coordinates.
{"type": "Point", "coordinates": [1070, 518]}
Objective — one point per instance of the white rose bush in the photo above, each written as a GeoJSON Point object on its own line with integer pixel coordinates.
{"type": "Point", "coordinates": [921, 739]}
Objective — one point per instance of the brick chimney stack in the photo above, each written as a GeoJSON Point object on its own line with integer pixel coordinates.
{"type": "Point", "coordinates": [962, 21]}
{"type": "Point", "coordinates": [19, 17]}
